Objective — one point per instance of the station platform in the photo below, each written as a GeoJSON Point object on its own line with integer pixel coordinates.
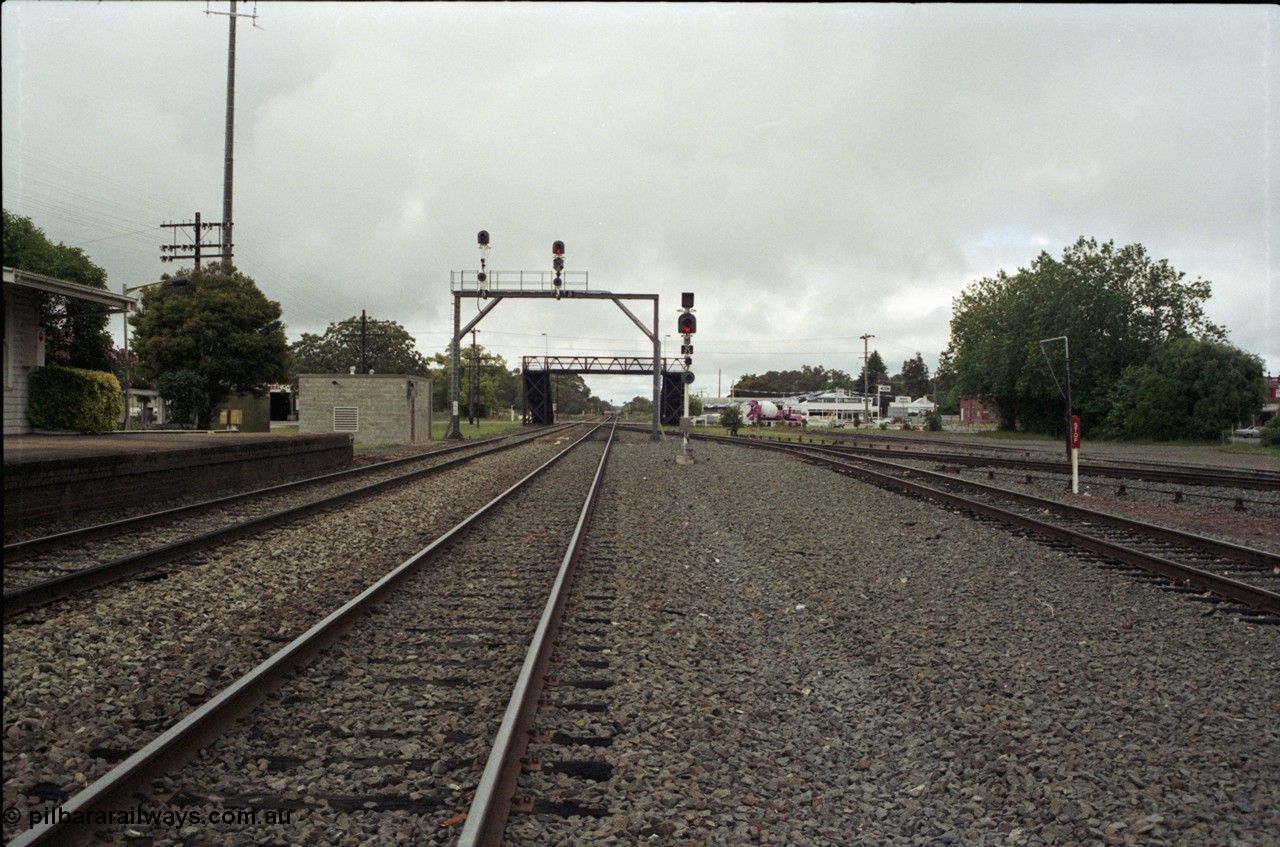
{"type": "Point", "coordinates": [56, 477]}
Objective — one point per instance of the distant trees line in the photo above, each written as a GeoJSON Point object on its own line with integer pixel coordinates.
{"type": "Point", "coordinates": [1146, 363]}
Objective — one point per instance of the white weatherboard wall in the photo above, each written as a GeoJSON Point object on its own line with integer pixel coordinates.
{"type": "Point", "coordinates": [23, 352]}
{"type": "Point", "coordinates": [375, 408]}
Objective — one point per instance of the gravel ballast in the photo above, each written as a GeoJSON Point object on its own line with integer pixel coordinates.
{"type": "Point", "coordinates": [804, 660]}
{"type": "Point", "coordinates": [798, 658]}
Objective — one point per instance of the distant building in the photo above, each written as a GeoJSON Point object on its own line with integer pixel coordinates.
{"type": "Point", "coordinates": [905, 407]}
{"type": "Point", "coordinates": [242, 413]}
{"type": "Point", "coordinates": [974, 411]}
{"type": "Point", "coordinates": [375, 408]}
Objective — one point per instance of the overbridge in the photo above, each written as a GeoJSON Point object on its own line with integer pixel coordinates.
{"type": "Point", "coordinates": [539, 399]}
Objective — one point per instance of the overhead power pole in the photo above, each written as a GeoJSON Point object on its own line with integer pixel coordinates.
{"type": "Point", "coordinates": [364, 337]}
{"type": "Point", "coordinates": [866, 366]}
{"type": "Point", "coordinates": [228, 157]}
{"type": "Point", "coordinates": [174, 251]}
{"type": "Point", "coordinates": [229, 147]}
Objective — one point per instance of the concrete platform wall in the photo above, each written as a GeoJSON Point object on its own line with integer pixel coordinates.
{"type": "Point", "coordinates": [101, 486]}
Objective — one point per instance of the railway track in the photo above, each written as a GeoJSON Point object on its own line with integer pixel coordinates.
{"type": "Point", "coordinates": [437, 648]}
{"type": "Point", "coordinates": [1236, 478]}
{"type": "Point", "coordinates": [49, 568]}
{"type": "Point", "coordinates": [731, 669]}
{"type": "Point", "coordinates": [1232, 572]}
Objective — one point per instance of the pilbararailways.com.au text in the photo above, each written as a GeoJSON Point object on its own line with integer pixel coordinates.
{"type": "Point", "coordinates": [142, 816]}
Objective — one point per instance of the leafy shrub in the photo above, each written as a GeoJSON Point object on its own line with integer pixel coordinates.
{"type": "Point", "coordinates": [933, 421]}
{"type": "Point", "coordinates": [74, 399]}
{"type": "Point", "coordinates": [1270, 436]}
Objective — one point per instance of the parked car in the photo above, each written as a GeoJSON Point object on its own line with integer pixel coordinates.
{"type": "Point", "coordinates": [1249, 432]}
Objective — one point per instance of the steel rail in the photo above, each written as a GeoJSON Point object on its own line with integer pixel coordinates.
{"type": "Point", "coordinates": [491, 804]}
{"type": "Point", "coordinates": [19, 550]}
{"type": "Point", "coordinates": [1253, 480]}
{"type": "Point", "coordinates": [1226, 549]}
{"type": "Point", "coordinates": [1252, 596]}
{"type": "Point", "coordinates": [50, 590]}
{"type": "Point", "coordinates": [1026, 450]}
{"type": "Point", "coordinates": [1223, 586]}
{"type": "Point", "coordinates": [117, 788]}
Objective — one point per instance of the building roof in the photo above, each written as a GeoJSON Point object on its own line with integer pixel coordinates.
{"type": "Point", "coordinates": [114, 302]}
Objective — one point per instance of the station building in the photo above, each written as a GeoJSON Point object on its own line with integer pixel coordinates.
{"type": "Point", "coordinates": [24, 337]}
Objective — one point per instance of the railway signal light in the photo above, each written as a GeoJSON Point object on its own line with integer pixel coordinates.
{"type": "Point", "coordinates": [557, 264]}
{"type": "Point", "coordinates": [686, 300]}
{"type": "Point", "coordinates": [686, 324]}
{"type": "Point", "coordinates": [688, 377]}
{"type": "Point", "coordinates": [482, 239]}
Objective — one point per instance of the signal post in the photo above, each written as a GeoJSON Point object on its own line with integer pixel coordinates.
{"type": "Point", "coordinates": [495, 286]}
{"type": "Point", "coordinates": [686, 326]}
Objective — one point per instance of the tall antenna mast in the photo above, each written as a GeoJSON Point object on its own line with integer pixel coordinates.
{"type": "Point", "coordinates": [227, 168]}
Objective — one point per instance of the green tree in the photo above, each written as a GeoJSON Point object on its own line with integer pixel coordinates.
{"type": "Point", "coordinates": [874, 372]}
{"type": "Point", "coordinates": [496, 384]}
{"type": "Point", "coordinates": [638, 407]}
{"type": "Point", "coordinates": [1271, 433]}
{"type": "Point", "coordinates": [808, 378]}
{"type": "Point", "coordinates": [731, 417]}
{"type": "Point", "coordinates": [75, 331]}
{"type": "Point", "coordinates": [947, 394]}
{"type": "Point", "coordinates": [1189, 389]}
{"type": "Point", "coordinates": [1116, 307]}
{"type": "Point", "coordinates": [186, 394]}
{"type": "Point", "coordinates": [915, 377]}
{"type": "Point", "coordinates": [572, 396]}
{"type": "Point", "coordinates": [220, 327]}
{"type": "Point", "coordinates": [368, 345]}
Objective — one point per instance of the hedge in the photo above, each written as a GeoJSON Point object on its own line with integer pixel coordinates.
{"type": "Point", "coordinates": [74, 399]}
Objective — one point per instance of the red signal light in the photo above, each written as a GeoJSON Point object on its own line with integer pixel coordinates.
{"type": "Point", "coordinates": [557, 248]}
{"type": "Point", "coordinates": [687, 324]}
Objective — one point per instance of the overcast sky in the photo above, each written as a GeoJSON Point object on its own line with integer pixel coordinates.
{"type": "Point", "coordinates": [813, 173]}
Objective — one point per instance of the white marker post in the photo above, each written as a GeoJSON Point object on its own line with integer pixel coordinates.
{"type": "Point", "coordinates": [1075, 454]}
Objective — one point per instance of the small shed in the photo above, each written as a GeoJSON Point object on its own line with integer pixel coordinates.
{"type": "Point", "coordinates": [24, 337]}
{"type": "Point", "coordinates": [375, 408]}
